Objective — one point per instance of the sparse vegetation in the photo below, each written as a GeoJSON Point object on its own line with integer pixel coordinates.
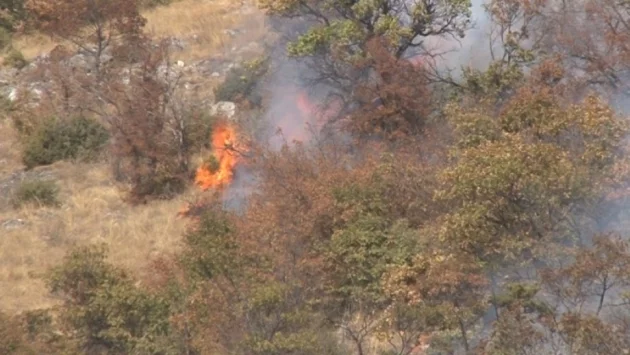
{"type": "Point", "coordinates": [93, 26]}
{"type": "Point", "coordinates": [241, 82]}
{"type": "Point", "coordinates": [36, 192]}
{"type": "Point", "coordinates": [149, 4]}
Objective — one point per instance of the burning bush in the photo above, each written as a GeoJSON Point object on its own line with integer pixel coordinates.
{"type": "Point", "coordinates": [218, 170]}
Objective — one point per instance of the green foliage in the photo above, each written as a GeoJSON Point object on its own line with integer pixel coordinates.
{"type": "Point", "coordinates": [375, 229]}
{"type": "Point", "coordinates": [37, 192]}
{"type": "Point", "coordinates": [496, 82]}
{"type": "Point", "coordinates": [103, 307]}
{"type": "Point", "coordinates": [212, 251]}
{"type": "Point", "coordinates": [13, 13]}
{"type": "Point", "coordinates": [281, 326]}
{"type": "Point", "coordinates": [536, 154]}
{"type": "Point", "coordinates": [56, 139]}
{"type": "Point", "coordinates": [342, 33]}
{"type": "Point", "coordinates": [198, 129]}
{"type": "Point", "coordinates": [365, 245]}
{"type": "Point", "coordinates": [241, 82]}
{"type": "Point", "coordinates": [347, 25]}
{"type": "Point", "coordinates": [161, 185]}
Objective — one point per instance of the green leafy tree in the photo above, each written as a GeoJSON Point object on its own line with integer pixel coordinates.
{"type": "Point", "coordinates": [343, 24]}
{"type": "Point", "coordinates": [537, 154]}
{"type": "Point", "coordinates": [105, 310]}
{"type": "Point", "coordinates": [336, 42]}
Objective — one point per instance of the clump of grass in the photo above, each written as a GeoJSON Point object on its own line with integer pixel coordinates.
{"type": "Point", "coordinates": [36, 192]}
{"type": "Point", "coordinates": [150, 4]}
{"type": "Point", "coordinates": [15, 59]}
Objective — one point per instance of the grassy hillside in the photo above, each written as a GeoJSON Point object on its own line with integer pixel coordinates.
{"type": "Point", "coordinates": [34, 239]}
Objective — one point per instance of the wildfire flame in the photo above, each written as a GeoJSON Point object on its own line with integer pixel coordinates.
{"type": "Point", "coordinates": [218, 176]}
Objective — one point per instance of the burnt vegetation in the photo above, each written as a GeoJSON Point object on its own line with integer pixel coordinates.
{"type": "Point", "coordinates": [484, 213]}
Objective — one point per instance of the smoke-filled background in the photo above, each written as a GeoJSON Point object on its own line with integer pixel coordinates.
{"type": "Point", "coordinates": [296, 108]}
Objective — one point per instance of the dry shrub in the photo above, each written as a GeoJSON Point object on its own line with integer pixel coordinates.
{"type": "Point", "coordinates": [395, 101]}
{"type": "Point", "coordinates": [151, 123]}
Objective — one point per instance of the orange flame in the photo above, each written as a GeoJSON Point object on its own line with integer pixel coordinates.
{"type": "Point", "coordinates": [223, 146]}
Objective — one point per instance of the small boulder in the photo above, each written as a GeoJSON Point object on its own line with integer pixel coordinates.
{"type": "Point", "coordinates": [13, 94]}
{"type": "Point", "coordinates": [13, 224]}
{"type": "Point", "coordinates": [223, 108]}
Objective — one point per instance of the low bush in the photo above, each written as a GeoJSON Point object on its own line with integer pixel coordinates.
{"type": "Point", "coordinates": [75, 139]}
{"type": "Point", "coordinates": [163, 185]}
{"type": "Point", "coordinates": [241, 82]}
{"type": "Point", "coordinates": [15, 59]}
{"type": "Point", "coordinates": [36, 192]}
{"type": "Point", "coordinates": [149, 4]}
{"type": "Point", "coordinates": [12, 337]}
{"type": "Point", "coordinates": [5, 38]}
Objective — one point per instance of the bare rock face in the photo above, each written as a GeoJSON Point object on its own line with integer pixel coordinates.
{"type": "Point", "coordinates": [223, 108]}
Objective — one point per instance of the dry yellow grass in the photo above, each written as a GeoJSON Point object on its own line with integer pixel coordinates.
{"type": "Point", "coordinates": [34, 45]}
{"type": "Point", "coordinates": [92, 212]}
{"type": "Point", "coordinates": [202, 23]}
{"type": "Point", "coordinates": [9, 148]}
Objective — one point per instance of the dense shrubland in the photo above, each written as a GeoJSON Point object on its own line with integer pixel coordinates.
{"type": "Point", "coordinates": [484, 215]}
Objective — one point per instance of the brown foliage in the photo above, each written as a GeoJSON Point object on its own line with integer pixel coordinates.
{"type": "Point", "coordinates": [93, 25]}
{"type": "Point", "coordinates": [395, 102]}
{"type": "Point", "coordinates": [148, 124]}
{"type": "Point", "coordinates": [595, 276]}
{"type": "Point", "coordinates": [591, 36]}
